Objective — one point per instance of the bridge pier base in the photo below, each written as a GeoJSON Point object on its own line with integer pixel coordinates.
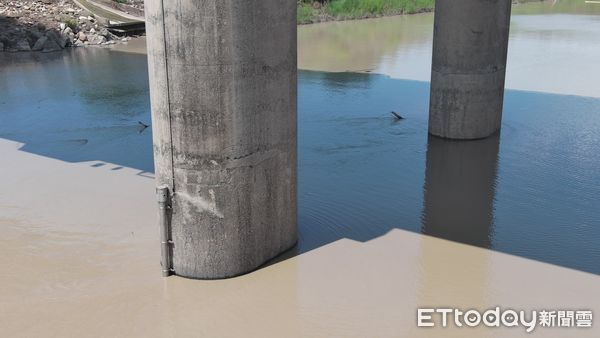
{"type": "Point", "coordinates": [223, 96]}
{"type": "Point", "coordinates": [469, 60]}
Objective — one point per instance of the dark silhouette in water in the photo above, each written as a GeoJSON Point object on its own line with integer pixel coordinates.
{"type": "Point", "coordinates": [397, 115]}
{"type": "Point", "coordinates": [143, 126]}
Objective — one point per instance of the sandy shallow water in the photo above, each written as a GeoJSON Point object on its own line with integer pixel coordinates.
{"type": "Point", "coordinates": [86, 267]}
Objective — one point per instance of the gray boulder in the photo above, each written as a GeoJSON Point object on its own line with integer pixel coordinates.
{"type": "Point", "coordinates": [35, 33]}
{"type": "Point", "coordinates": [23, 46]}
{"type": "Point", "coordinates": [60, 40]}
{"type": "Point", "coordinates": [39, 44]}
{"type": "Point", "coordinates": [51, 46]}
{"type": "Point", "coordinates": [96, 39]}
{"type": "Point", "coordinates": [53, 35]}
{"type": "Point", "coordinates": [68, 35]}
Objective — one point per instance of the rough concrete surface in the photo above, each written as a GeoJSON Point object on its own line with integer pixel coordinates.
{"type": "Point", "coordinates": [223, 96]}
{"type": "Point", "coordinates": [468, 69]}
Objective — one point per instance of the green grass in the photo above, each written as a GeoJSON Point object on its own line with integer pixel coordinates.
{"type": "Point", "coordinates": [71, 23]}
{"type": "Point", "coordinates": [305, 13]}
{"type": "Point", "coordinates": [356, 9]}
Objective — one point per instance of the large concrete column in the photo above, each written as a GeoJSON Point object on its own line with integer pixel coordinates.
{"type": "Point", "coordinates": [470, 43]}
{"type": "Point", "coordinates": [223, 95]}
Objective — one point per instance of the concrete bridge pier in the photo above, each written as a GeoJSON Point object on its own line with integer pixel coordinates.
{"type": "Point", "coordinates": [470, 44]}
{"type": "Point", "coordinates": [223, 97]}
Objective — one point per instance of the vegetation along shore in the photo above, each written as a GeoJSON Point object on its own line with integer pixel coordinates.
{"type": "Point", "coordinates": [311, 11]}
{"type": "Point", "coordinates": [52, 25]}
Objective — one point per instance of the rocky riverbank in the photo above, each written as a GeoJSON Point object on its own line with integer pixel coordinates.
{"type": "Point", "coordinates": [50, 25]}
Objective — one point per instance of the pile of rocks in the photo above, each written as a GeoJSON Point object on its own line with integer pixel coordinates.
{"type": "Point", "coordinates": [49, 25]}
{"type": "Point", "coordinates": [96, 35]}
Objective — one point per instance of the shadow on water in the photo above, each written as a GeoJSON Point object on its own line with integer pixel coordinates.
{"type": "Point", "coordinates": [78, 105]}
{"type": "Point", "coordinates": [361, 173]}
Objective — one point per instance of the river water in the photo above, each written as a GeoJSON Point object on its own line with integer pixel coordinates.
{"type": "Point", "coordinates": [531, 191]}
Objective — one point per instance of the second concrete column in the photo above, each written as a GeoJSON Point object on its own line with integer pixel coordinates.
{"type": "Point", "coordinates": [469, 61]}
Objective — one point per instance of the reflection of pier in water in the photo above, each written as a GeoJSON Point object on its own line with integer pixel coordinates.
{"type": "Point", "coordinates": [460, 181]}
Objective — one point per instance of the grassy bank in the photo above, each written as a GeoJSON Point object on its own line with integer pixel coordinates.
{"type": "Point", "coordinates": [310, 11]}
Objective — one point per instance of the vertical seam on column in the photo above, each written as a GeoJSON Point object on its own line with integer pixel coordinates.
{"type": "Point", "coordinates": [162, 7]}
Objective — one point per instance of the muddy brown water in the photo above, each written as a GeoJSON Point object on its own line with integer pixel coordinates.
{"type": "Point", "coordinates": [390, 220]}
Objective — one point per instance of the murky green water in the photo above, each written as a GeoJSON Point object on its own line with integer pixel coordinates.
{"type": "Point", "coordinates": [531, 191]}
{"type": "Point", "coordinates": [552, 49]}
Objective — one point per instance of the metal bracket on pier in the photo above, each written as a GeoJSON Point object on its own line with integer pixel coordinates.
{"type": "Point", "coordinates": [162, 195]}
